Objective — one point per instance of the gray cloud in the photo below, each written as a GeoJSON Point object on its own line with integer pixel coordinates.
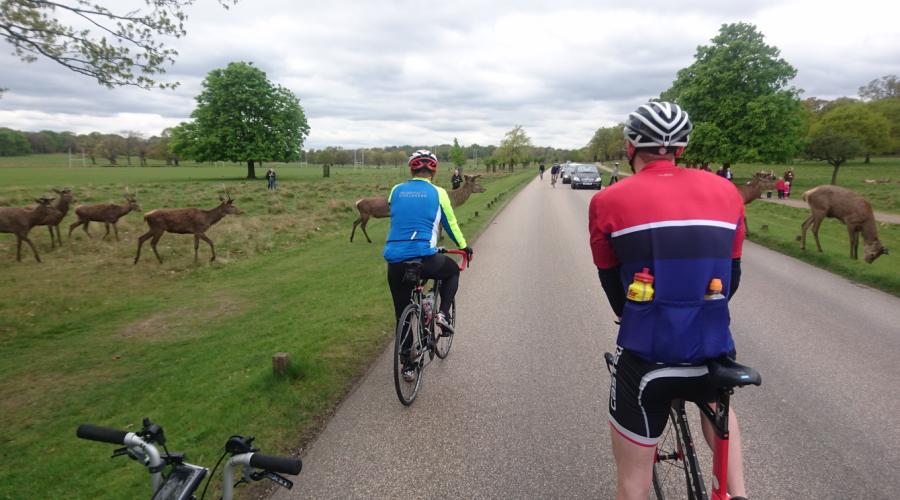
{"type": "Point", "coordinates": [386, 72]}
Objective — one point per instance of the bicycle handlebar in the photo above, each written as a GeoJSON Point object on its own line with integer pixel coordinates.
{"type": "Point", "coordinates": [285, 465]}
{"type": "Point", "coordinates": [465, 257]}
{"type": "Point", "coordinates": [102, 434]}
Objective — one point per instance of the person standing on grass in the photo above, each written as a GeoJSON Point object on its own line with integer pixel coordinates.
{"type": "Point", "coordinates": [780, 187]}
{"type": "Point", "coordinates": [614, 178]}
{"type": "Point", "coordinates": [456, 180]}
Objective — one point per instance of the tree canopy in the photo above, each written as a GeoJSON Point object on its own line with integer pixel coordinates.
{"type": "Point", "coordinates": [832, 144]}
{"type": "Point", "coordinates": [739, 85]}
{"type": "Point", "coordinates": [608, 143]}
{"type": "Point", "coordinates": [242, 116]}
{"type": "Point", "coordinates": [886, 87]}
{"type": "Point", "coordinates": [515, 147]}
{"type": "Point", "coordinates": [457, 154]}
{"type": "Point", "coordinates": [115, 47]}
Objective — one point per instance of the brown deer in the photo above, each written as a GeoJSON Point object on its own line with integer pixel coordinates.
{"type": "Point", "coordinates": [20, 220]}
{"type": "Point", "coordinates": [378, 207]}
{"type": "Point", "coordinates": [851, 209]}
{"type": "Point", "coordinates": [194, 221]}
{"type": "Point", "coordinates": [107, 213]}
{"type": "Point", "coordinates": [753, 189]}
{"type": "Point", "coordinates": [62, 208]}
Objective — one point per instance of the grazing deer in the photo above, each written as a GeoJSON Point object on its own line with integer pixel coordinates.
{"type": "Point", "coordinates": [753, 189]}
{"type": "Point", "coordinates": [379, 208]}
{"type": "Point", "coordinates": [20, 220]}
{"type": "Point", "coordinates": [62, 208]}
{"type": "Point", "coordinates": [107, 213]}
{"type": "Point", "coordinates": [851, 209]}
{"type": "Point", "coordinates": [194, 221]}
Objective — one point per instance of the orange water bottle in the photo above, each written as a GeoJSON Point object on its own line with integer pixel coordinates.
{"type": "Point", "coordinates": [714, 291]}
{"type": "Point", "coordinates": [641, 289]}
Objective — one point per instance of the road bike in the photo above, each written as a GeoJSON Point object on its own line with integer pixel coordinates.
{"type": "Point", "coordinates": [171, 478]}
{"type": "Point", "coordinates": [676, 468]}
{"type": "Point", "coordinates": [417, 339]}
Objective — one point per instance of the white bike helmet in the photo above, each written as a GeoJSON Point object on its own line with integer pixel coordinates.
{"type": "Point", "coordinates": [658, 124]}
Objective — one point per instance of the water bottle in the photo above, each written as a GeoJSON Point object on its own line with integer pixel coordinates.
{"type": "Point", "coordinates": [427, 306]}
{"type": "Point", "coordinates": [641, 289]}
{"type": "Point", "coordinates": [714, 291]}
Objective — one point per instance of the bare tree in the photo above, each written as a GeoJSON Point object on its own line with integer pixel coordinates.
{"type": "Point", "coordinates": [107, 213]}
{"type": "Point", "coordinates": [851, 209]}
{"type": "Point", "coordinates": [20, 220]}
{"type": "Point", "coordinates": [194, 221]}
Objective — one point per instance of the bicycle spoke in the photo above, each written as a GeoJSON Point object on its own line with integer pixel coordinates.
{"type": "Point", "coordinates": [406, 353]}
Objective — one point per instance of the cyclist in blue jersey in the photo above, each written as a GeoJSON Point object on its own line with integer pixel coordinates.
{"type": "Point", "coordinates": [418, 209]}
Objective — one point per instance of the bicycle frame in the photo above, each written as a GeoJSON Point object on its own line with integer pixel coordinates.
{"type": "Point", "coordinates": [719, 419]}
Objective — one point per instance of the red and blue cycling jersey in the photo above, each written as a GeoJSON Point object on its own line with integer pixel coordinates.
{"type": "Point", "coordinates": [685, 226]}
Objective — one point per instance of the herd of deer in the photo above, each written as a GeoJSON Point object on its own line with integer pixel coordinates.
{"type": "Point", "coordinates": [824, 201]}
{"type": "Point", "coordinates": [47, 212]}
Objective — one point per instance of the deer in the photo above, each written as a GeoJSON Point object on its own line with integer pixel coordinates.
{"type": "Point", "coordinates": [62, 208]}
{"type": "Point", "coordinates": [107, 213]}
{"type": "Point", "coordinates": [379, 208]}
{"type": "Point", "coordinates": [194, 221]}
{"type": "Point", "coordinates": [851, 209]}
{"type": "Point", "coordinates": [753, 189]}
{"type": "Point", "coordinates": [20, 220]}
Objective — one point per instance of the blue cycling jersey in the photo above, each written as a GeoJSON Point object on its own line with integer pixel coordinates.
{"type": "Point", "coordinates": [418, 207]}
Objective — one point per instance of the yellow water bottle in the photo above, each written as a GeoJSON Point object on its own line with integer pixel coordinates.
{"type": "Point", "coordinates": [714, 291]}
{"type": "Point", "coordinates": [641, 289]}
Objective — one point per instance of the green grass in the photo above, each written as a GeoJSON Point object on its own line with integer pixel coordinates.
{"type": "Point", "coordinates": [88, 337]}
{"type": "Point", "coordinates": [883, 197]}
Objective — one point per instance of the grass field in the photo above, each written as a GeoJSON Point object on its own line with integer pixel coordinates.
{"type": "Point", "coordinates": [89, 337]}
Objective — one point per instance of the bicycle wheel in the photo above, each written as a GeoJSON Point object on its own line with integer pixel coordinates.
{"type": "Point", "coordinates": [408, 333]}
{"type": "Point", "coordinates": [676, 472]}
{"type": "Point", "coordinates": [445, 340]}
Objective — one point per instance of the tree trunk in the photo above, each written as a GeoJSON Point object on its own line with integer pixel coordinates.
{"type": "Point", "coordinates": [326, 170]}
{"type": "Point", "coordinates": [834, 173]}
{"type": "Point", "coordinates": [251, 169]}
{"type": "Point", "coordinates": [867, 159]}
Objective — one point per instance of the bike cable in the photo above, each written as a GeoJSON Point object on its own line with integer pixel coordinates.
{"type": "Point", "coordinates": [211, 474]}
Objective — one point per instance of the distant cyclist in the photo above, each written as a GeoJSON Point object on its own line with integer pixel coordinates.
{"type": "Point", "coordinates": [417, 208]}
{"type": "Point", "coordinates": [542, 168]}
{"type": "Point", "coordinates": [614, 178]}
{"type": "Point", "coordinates": [554, 174]}
{"type": "Point", "coordinates": [685, 229]}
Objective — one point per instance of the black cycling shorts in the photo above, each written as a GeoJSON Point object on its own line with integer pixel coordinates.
{"type": "Point", "coordinates": [641, 394]}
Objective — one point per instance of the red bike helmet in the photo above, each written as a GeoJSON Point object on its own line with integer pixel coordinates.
{"type": "Point", "coordinates": [423, 159]}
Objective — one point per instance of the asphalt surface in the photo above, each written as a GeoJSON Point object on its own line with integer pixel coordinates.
{"type": "Point", "coordinates": [518, 409]}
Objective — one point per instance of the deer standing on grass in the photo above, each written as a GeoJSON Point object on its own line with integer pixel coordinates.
{"type": "Point", "coordinates": [62, 208]}
{"type": "Point", "coordinates": [20, 220]}
{"type": "Point", "coordinates": [194, 221]}
{"type": "Point", "coordinates": [753, 189]}
{"type": "Point", "coordinates": [107, 213]}
{"type": "Point", "coordinates": [379, 208]}
{"type": "Point", "coordinates": [851, 209]}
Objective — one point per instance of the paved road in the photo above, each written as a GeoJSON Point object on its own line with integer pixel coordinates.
{"type": "Point", "coordinates": [518, 410]}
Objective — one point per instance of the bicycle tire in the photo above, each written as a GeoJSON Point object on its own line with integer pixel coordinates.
{"type": "Point", "coordinates": [408, 326]}
{"type": "Point", "coordinates": [676, 472]}
{"type": "Point", "coordinates": [443, 342]}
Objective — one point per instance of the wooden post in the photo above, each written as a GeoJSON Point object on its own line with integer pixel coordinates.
{"type": "Point", "coordinates": [280, 363]}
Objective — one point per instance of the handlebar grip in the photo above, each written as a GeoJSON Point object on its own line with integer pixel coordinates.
{"type": "Point", "coordinates": [102, 434]}
{"type": "Point", "coordinates": [285, 465]}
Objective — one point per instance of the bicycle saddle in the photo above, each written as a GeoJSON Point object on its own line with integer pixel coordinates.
{"type": "Point", "coordinates": [725, 373]}
{"type": "Point", "coordinates": [413, 268]}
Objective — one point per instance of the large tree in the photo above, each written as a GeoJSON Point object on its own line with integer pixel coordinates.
{"type": "Point", "coordinates": [834, 145]}
{"type": "Point", "coordinates": [457, 154]}
{"type": "Point", "coordinates": [13, 143]}
{"type": "Point", "coordinates": [515, 147]}
{"type": "Point", "coordinates": [860, 121]}
{"type": "Point", "coordinates": [740, 85]}
{"type": "Point", "coordinates": [886, 87]}
{"type": "Point", "coordinates": [242, 116]}
{"type": "Point", "coordinates": [114, 45]}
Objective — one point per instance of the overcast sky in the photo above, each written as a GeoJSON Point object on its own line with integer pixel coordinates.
{"type": "Point", "coordinates": [379, 72]}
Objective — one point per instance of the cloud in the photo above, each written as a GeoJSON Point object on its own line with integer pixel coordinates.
{"type": "Point", "coordinates": [407, 72]}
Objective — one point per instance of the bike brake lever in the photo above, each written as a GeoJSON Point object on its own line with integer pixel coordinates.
{"type": "Point", "coordinates": [275, 478]}
{"type": "Point", "coordinates": [119, 452]}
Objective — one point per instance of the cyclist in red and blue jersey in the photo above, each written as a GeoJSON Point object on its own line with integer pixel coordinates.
{"type": "Point", "coordinates": [418, 209]}
{"type": "Point", "coordinates": [685, 229]}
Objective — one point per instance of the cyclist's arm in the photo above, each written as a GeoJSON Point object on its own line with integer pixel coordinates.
{"type": "Point", "coordinates": [612, 285]}
{"type": "Point", "coordinates": [736, 251]}
{"type": "Point", "coordinates": [448, 220]}
{"type": "Point", "coordinates": [608, 265]}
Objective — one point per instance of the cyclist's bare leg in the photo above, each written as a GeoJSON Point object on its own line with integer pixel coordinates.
{"type": "Point", "coordinates": [736, 486]}
{"type": "Point", "coordinates": [634, 467]}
